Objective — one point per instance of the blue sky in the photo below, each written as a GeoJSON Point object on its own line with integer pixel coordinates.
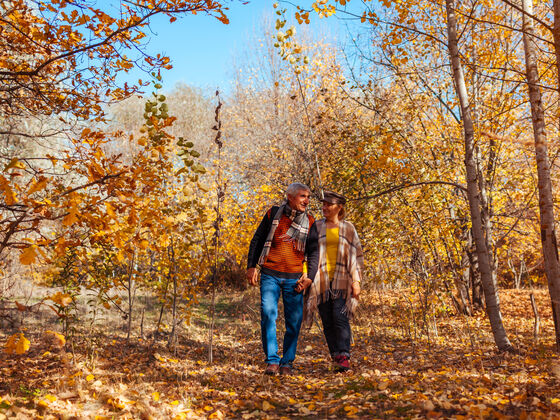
{"type": "Point", "coordinates": [202, 49]}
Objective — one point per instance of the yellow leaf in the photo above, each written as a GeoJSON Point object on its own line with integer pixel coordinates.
{"type": "Point", "coordinates": [28, 255]}
{"type": "Point", "coordinates": [38, 185]}
{"type": "Point", "coordinates": [8, 191]}
{"type": "Point", "coordinates": [351, 410]}
{"type": "Point", "coordinates": [89, 378]}
{"type": "Point", "coordinates": [10, 346]}
{"type": "Point", "coordinates": [71, 217]}
{"type": "Point", "coordinates": [155, 396]}
{"type": "Point", "coordinates": [267, 406]}
{"type": "Point", "coordinates": [51, 398]}
{"type": "Point", "coordinates": [110, 209]}
{"type": "Point", "coordinates": [174, 402]}
{"type": "Point", "coordinates": [14, 163]}
{"type": "Point", "coordinates": [22, 345]}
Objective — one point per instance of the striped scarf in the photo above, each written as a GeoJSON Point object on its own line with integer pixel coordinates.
{"type": "Point", "coordinates": [297, 232]}
{"type": "Point", "coordinates": [349, 266]}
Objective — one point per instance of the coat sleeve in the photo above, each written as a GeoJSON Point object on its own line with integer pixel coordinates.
{"type": "Point", "coordinates": [257, 243]}
{"type": "Point", "coordinates": [358, 260]}
{"type": "Point", "coordinates": [312, 251]}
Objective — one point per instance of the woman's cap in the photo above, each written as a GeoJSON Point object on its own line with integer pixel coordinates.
{"type": "Point", "coordinates": [333, 198]}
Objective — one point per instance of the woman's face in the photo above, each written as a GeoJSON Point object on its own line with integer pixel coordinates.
{"type": "Point", "coordinates": [331, 210]}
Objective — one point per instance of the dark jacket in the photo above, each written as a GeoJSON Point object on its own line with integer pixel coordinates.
{"type": "Point", "coordinates": [259, 238]}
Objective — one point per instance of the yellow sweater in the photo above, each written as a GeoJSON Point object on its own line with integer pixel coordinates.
{"type": "Point", "coordinates": [332, 250]}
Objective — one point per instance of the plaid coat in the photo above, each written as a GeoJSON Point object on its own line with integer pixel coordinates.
{"type": "Point", "coordinates": [349, 267]}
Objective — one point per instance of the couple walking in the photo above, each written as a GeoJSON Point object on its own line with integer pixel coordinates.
{"type": "Point", "coordinates": [313, 265]}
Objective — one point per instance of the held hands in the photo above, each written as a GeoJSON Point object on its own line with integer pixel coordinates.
{"type": "Point", "coordinates": [252, 276]}
{"type": "Point", "coordinates": [302, 284]}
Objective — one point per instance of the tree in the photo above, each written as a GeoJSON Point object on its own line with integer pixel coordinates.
{"type": "Point", "coordinates": [145, 235]}
{"type": "Point", "coordinates": [484, 254]}
{"type": "Point", "coordinates": [410, 24]}
{"type": "Point", "coordinates": [546, 201]}
{"type": "Point", "coordinates": [60, 62]}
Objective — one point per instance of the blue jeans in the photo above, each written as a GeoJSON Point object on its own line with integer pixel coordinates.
{"type": "Point", "coordinates": [271, 287]}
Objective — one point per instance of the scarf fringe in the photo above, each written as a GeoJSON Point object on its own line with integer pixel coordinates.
{"type": "Point", "coordinates": [312, 302]}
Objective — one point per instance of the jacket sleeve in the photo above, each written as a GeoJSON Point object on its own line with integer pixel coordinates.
{"type": "Point", "coordinates": [357, 267]}
{"type": "Point", "coordinates": [312, 251]}
{"type": "Point", "coordinates": [257, 243]}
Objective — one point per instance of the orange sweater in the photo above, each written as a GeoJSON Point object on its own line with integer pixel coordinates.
{"type": "Point", "coordinates": [283, 256]}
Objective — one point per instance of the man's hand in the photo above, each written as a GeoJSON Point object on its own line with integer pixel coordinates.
{"type": "Point", "coordinates": [356, 289]}
{"type": "Point", "coordinates": [252, 276]}
{"type": "Point", "coordinates": [302, 284]}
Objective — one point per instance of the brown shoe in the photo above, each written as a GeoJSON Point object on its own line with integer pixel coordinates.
{"type": "Point", "coordinates": [271, 369]}
{"type": "Point", "coordinates": [285, 370]}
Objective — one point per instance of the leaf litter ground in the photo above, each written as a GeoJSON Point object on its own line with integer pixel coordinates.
{"type": "Point", "coordinates": [406, 364]}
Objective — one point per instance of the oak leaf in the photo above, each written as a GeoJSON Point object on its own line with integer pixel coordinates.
{"type": "Point", "coordinates": [29, 255]}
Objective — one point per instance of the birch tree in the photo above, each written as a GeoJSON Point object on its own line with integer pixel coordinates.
{"type": "Point", "coordinates": [546, 202]}
{"type": "Point", "coordinates": [485, 257]}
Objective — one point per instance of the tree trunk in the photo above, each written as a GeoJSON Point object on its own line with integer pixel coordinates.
{"type": "Point", "coordinates": [131, 294]}
{"type": "Point", "coordinates": [556, 36]}
{"type": "Point", "coordinates": [472, 273]}
{"type": "Point", "coordinates": [546, 205]}
{"type": "Point", "coordinates": [462, 286]}
{"type": "Point", "coordinates": [484, 179]}
{"type": "Point", "coordinates": [485, 262]}
{"type": "Point", "coordinates": [173, 272]}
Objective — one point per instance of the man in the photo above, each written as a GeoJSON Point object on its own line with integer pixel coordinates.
{"type": "Point", "coordinates": [286, 237]}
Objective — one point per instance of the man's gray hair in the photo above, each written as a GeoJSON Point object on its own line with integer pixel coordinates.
{"type": "Point", "coordinates": [294, 188]}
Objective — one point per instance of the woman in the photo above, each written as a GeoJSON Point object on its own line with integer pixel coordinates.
{"type": "Point", "coordinates": [336, 287]}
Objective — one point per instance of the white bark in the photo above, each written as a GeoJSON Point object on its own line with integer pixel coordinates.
{"type": "Point", "coordinates": [546, 205]}
{"type": "Point", "coordinates": [485, 261]}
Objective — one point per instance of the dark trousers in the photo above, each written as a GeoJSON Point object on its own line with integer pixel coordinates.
{"type": "Point", "coordinates": [336, 326]}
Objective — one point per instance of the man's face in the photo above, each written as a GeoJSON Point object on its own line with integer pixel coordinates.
{"type": "Point", "coordinates": [299, 201]}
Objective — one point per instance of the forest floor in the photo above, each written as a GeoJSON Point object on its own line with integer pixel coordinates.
{"type": "Point", "coordinates": [399, 371]}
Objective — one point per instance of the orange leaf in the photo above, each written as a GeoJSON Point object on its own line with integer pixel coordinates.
{"type": "Point", "coordinates": [28, 255]}
{"type": "Point", "coordinates": [38, 185]}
